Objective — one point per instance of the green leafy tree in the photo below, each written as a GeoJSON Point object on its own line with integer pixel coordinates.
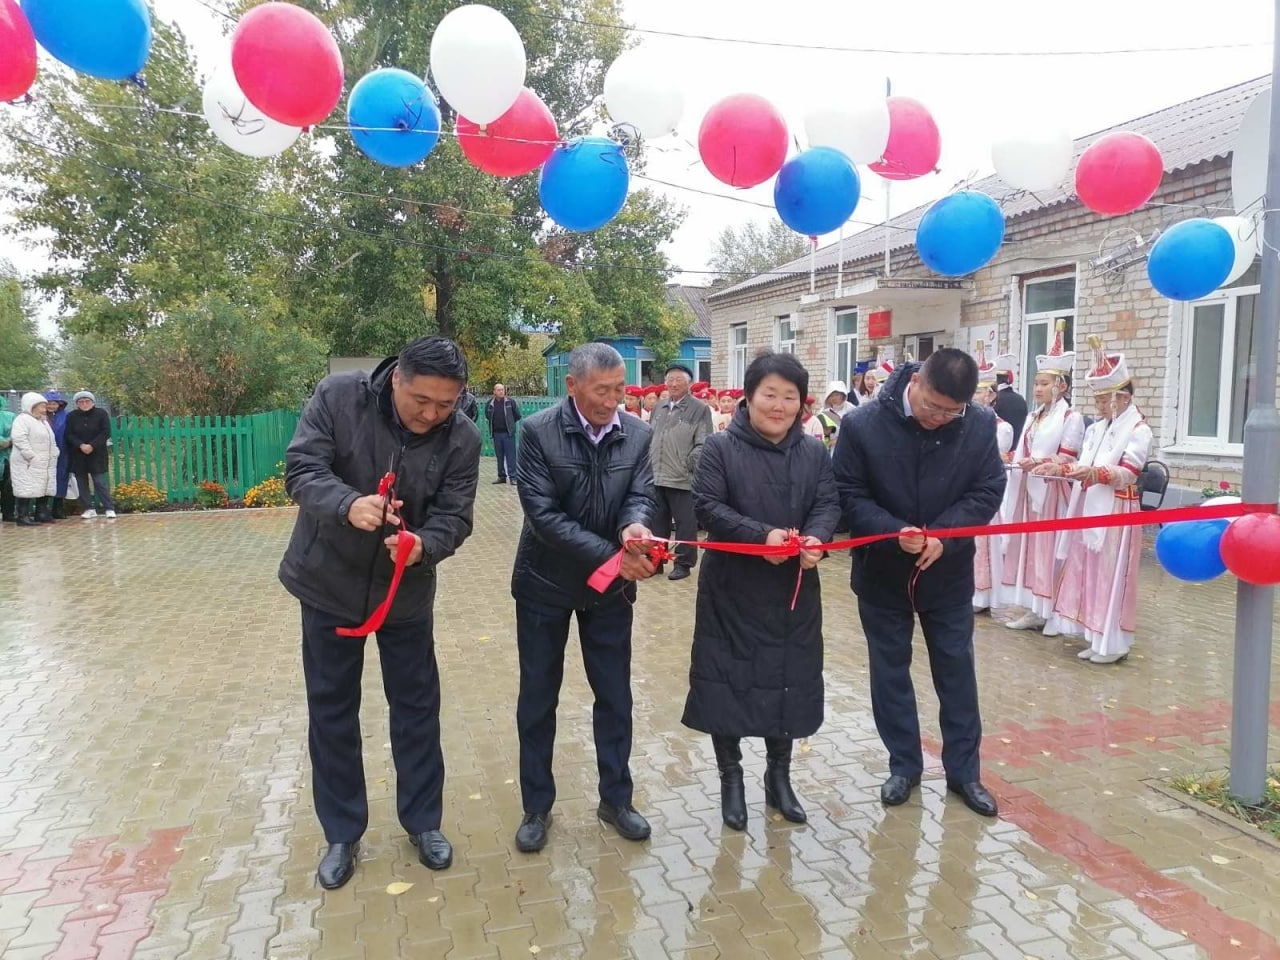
{"type": "Point", "coordinates": [24, 356]}
{"type": "Point", "coordinates": [739, 253]}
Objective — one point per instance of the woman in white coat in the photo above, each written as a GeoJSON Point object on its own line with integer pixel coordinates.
{"type": "Point", "coordinates": [34, 463]}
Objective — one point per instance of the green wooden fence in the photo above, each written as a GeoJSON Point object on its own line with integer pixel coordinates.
{"type": "Point", "coordinates": [178, 453]}
{"type": "Point", "coordinates": [527, 406]}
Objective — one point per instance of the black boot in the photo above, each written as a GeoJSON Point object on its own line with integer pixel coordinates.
{"type": "Point", "coordinates": [26, 510]}
{"type": "Point", "coordinates": [777, 780]}
{"type": "Point", "coordinates": [59, 508]}
{"type": "Point", "coordinates": [43, 510]}
{"type": "Point", "coordinates": [733, 801]}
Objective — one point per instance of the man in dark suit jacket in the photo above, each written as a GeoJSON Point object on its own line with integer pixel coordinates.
{"type": "Point", "coordinates": [1010, 405]}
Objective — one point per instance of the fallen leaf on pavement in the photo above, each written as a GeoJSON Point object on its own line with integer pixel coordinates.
{"type": "Point", "coordinates": [399, 887]}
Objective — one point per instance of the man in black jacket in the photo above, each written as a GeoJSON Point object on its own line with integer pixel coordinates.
{"type": "Point", "coordinates": [356, 428]}
{"type": "Point", "coordinates": [1010, 406]}
{"type": "Point", "coordinates": [587, 488]}
{"type": "Point", "coordinates": [503, 414]}
{"type": "Point", "coordinates": [916, 458]}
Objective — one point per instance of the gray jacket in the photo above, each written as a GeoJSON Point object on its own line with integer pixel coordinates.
{"type": "Point", "coordinates": [347, 439]}
{"type": "Point", "coordinates": [678, 435]}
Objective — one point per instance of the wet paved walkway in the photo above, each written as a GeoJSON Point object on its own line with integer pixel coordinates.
{"type": "Point", "coordinates": [154, 795]}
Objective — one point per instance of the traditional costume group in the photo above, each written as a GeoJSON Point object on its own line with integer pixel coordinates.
{"type": "Point", "coordinates": [1079, 584]}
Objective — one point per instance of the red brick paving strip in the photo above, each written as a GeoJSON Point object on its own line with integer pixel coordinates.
{"type": "Point", "coordinates": [1168, 902]}
{"type": "Point", "coordinates": [113, 890]}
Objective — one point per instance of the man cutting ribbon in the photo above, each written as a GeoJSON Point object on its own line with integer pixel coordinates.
{"type": "Point", "coordinates": [384, 472]}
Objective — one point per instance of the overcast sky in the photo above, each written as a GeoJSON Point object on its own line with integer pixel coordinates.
{"type": "Point", "coordinates": [973, 98]}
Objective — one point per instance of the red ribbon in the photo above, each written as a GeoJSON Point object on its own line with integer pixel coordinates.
{"type": "Point", "coordinates": [608, 571]}
{"type": "Point", "coordinates": [405, 542]}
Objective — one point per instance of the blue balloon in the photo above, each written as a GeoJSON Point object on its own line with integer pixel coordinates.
{"type": "Point", "coordinates": [1191, 259]}
{"type": "Point", "coordinates": [394, 118]}
{"type": "Point", "coordinates": [110, 39]}
{"type": "Point", "coordinates": [1191, 551]}
{"type": "Point", "coordinates": [584, 183]}
{"type": "Point", "coordinates": [960, 233]}
{"type": "Point", "coordinates": [816, 192]}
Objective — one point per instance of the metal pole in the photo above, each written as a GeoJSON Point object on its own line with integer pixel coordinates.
{"type": "Point", "coordinates": [1251, 688]}
{"type": "Point", "coordinates": [888, 92]}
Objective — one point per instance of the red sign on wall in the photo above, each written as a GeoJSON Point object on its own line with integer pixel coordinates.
{"type": "Point", "coordinates": [880, 324]}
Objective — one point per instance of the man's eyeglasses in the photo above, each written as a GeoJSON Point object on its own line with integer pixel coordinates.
{"type": "Point", "coordinates": [933, 410]}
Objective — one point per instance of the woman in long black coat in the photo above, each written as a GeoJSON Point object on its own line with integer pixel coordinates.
{"type": "Point", "coordinates": [756, 666]}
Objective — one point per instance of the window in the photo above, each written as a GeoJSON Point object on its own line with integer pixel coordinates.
{"type": "Point", "coordinates": [704, 371]}
{"type": "Point", "coordinates": [1045, 303]}
{"type": "Point", "coordinates": [646, 373]}
{"type": "Point", "coordinates": [846, 346]}
{"type": "Point", "coordinates": [1217, 369]}
{"type": "Point", "coordinates": [737, 354]}
{"type": "Point", "coordinates": [785, 336]}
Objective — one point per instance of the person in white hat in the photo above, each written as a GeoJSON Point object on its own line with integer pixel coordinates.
{"type": "Point", "coordinates": [987, 555]}
{"type": "Point", "coordinates": [834, 409]}
{"type": "Point", "coordinates": [1049, 446]}
{"type": "Point", "coordinates": [1098, 595]}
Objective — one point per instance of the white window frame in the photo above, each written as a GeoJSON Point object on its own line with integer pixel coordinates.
{"type": "Point", "coordinates": [1050, 319]}
{"type": "Point", "coordinates": [1218, 445]}
{"type": "Point", "coordinates": [847, 342]}
{"type": "Point", "coordinates": [737, 354]}
{"type": "Point", "coordinates": [787, 344]}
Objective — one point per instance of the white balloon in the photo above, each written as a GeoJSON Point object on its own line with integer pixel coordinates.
{"type": "Point", "coordinates": [859, 130]}
{"type": "Point", "coordinates": [478, 62]}
{"type": "Point", "coordinates": [642, 90]}
{"type": "Point", "coordinates": [238, 123]}
{"type": "Point", "coordinates": [1249, 155]}
{"type": "Point", "coordinates": [1222, 501]}
{"type": "Point", "coordinates": [1034, 160]}
{"type": "Point", "coordinates": [1241, 232]}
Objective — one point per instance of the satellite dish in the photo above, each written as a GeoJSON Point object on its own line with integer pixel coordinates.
{"type": "Point", "coordinates": [1249, 155]}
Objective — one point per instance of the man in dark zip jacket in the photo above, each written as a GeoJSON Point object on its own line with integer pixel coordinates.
{"type": "Point", "coordinates": [586, 487]}
{"type": "Point", "coordinates": [920, 457]}
{"type": "Point", "coordinates": [339, 564]}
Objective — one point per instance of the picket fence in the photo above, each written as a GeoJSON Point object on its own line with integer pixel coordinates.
{"type": "Point", "coordinates": [177, 454]}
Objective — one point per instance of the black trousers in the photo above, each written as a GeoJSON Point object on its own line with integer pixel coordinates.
{"type": "Point", "coordinates": [542, 634]}
{"type": "Point", "coordinates": [675, 507]}
{"type": "Point", "coordinates": [332, 666]}
{"type": "Point", "coordinates": [7, 505]}
{"type": "Point", "coordinates": [101, 490]}
{"type": "Point", "coordinates": [948, 636]}
{"type": "Point", "coordinates": [504, 448]}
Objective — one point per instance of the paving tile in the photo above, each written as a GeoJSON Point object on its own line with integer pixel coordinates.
{"type": "Point", "coordinates": [155, 797]}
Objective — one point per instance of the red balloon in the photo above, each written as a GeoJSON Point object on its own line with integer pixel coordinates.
{"type": "Point", "coordinates": [287, 64]}
{"type": "Point", "coordinates": [518, 142]}
{"type": "Point", "coordinates": [1118, 173]}
{"type": "Point", "coordinates": [1251, 549]}
{"type": "Point", "coordinates": [743, 140]}
{"type": "Point", "coordinates": [17, 52]}
{"type": "Point", "coordinates": [914, 142]}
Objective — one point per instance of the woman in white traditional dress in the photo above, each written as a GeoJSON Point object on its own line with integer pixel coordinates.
{"type": "Point", "coordinates": [1098, 593]}
{"type": "Point", "coordinates": [988, 554]}
{"type": "Point", "coordinates": [1049, 445]}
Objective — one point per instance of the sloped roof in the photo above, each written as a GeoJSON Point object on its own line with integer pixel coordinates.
{"type": "Point", "coordinates": [1187, 133]}
{"type": "Point", "coordinates": [695, 298]}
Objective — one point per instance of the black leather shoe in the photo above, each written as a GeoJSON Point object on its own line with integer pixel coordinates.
{"type": "Point", "coordinates": [678, 573]}
{"type": "Point", "coordinates": [532, 835]}
{"type": "Point", "coordinates": [500, 480]}
{"type": "Point", "coordinates": [337, 865]}
{"type": "Point", "coordinates": [975, 797]}
{"type": "Point", "coordinates": [434, 851]}
{"type": "Point", "coordinates": [897, 790]}
{"type": "Point", "coordinates": [629, 824]}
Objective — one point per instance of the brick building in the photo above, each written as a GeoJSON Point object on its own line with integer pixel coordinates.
{"type": "Point", "coordinates": [1190, 362]}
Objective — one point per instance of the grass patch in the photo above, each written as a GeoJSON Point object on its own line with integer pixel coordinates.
{"type": "Point", "coordinates": [1214, 790]}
